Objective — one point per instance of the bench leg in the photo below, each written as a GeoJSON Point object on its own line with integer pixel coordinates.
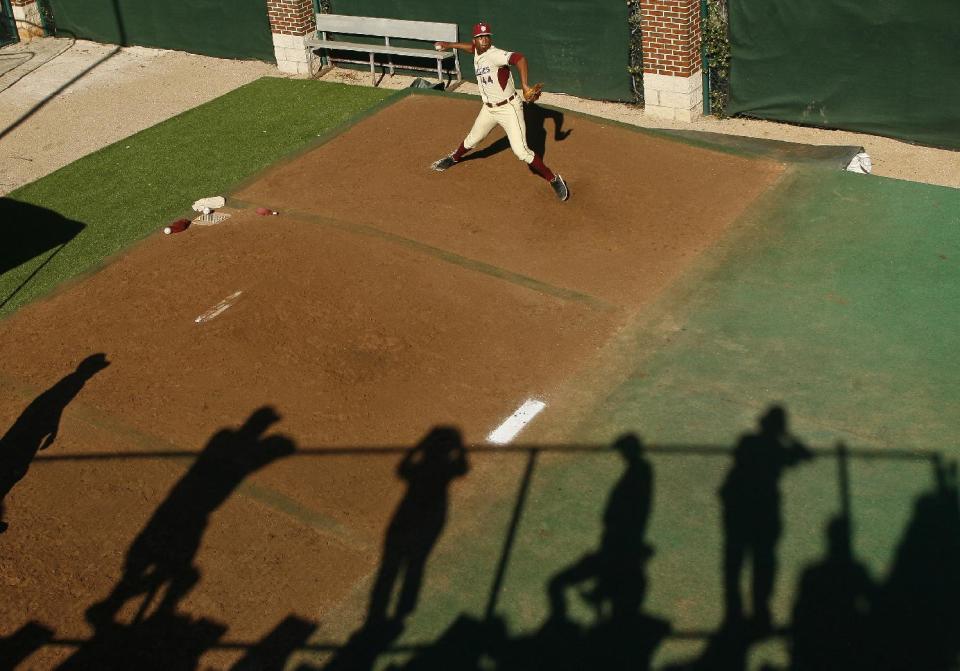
{"type": "Point", "coordinates": [389, 56]}
{"type": "Point", "coordinates": [439, 71]}
{"type": "Point", "coordinates": [373, 71]}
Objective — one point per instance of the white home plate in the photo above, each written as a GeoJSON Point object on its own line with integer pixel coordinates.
{"type": "Point", "coordinates": [219, 308]}
{"type": "Point", "coordinates": [211, 219]}
{"type": "Point", "coordinates": [515, 423]}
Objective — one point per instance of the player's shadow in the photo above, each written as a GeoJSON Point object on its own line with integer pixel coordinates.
{"type": "Point", "coordinates": [535, 117]}
{"type": "Point", "coordinates": [37, 426]}
{"type": "Point", "coordinates": [159, 567]}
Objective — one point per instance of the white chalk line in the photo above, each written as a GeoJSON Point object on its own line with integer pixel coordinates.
{"type": "Point", "coordinates": [516, 422]}
{"type": "Point", "coordinates": [218, 309]}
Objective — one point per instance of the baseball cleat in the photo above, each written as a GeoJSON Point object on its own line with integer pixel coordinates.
{"type": "Point", "coordinates": [443, 163]}
{"type": "Point", "coordinates": [560, 187]}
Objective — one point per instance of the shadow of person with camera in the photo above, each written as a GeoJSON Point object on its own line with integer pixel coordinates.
{"type": "Point", "coordinates": [428, 469]}
{"type": "Point", "coordinates": [752, 517]}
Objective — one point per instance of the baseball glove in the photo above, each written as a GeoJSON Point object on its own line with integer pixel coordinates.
{"type": "Point", "coordinates": [532, 94]}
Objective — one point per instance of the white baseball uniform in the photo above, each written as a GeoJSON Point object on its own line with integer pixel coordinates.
{"type": "Point", "coordinates": [502, 103]}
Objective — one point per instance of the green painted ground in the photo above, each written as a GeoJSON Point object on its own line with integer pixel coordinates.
{"type": "Point", "coordinates": [836, 297]}
{"type": "Point", "coordinates": [132, 188]}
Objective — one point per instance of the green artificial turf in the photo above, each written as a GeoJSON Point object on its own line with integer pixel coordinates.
{"type": "Point", "coordinates": [134, 187]}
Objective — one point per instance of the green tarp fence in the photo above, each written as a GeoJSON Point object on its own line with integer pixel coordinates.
{"type": "Point", "coordinates": [573, 46]}
{"type": "Point", "coordinates": [884, 67]}
{"type": "Point", "coordinates": [223, 28]}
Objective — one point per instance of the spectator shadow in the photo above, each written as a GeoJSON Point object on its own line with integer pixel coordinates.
{"type": "Point", "coordinates": [752, 519]}
{"type": "Point", "coordinates": [273, 651]}
{"type": "Point", "coordinates": [18, 646]}
{"type": "Point", "coordinates": [612, 580]}
{"type": "Point", "coordinates": [159, 565]}
{"type": "Point", "coordinates": [832, 608]}
{"type": "Point", "coordinates": [841, 618]}
{"type": "Point", "coordinates": [428, 468]}
{"type": "Point", "coordinates": [614, 584]}
{"type": "Point", "coordinates": [916, 621]}
{"type": "Point", "coordinates": [36, 428]}
{"type": "Point", "coordinates": [752, 525]}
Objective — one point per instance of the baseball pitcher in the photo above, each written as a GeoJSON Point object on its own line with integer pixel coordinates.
{"type": "Point", "coordinates": [502, 105]}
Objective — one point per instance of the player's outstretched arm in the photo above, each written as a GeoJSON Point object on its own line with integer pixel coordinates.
{"type": "Point", "coordinates": [462, 46]}
{"type": "Point", "coordinates": [521, 64]}
{"type": "Point", "coordinates": [530, 93]}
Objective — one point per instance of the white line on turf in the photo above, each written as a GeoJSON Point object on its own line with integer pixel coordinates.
{"type": "Point", "coordinates": [218, 309]}
{"type": "Point", "coordinates": [515, 423]}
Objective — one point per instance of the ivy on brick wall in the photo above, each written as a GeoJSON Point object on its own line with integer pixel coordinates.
{"type": "Point", "coordinates": [716, 39]}
{"type": "Point", "coordinates": [635, 51]}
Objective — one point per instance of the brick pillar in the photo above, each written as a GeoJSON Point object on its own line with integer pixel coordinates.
{"type": "Point", "coordinates": [26, 14]}
{"type": "Point", "coordinates": [672, 73]}
{"type": "Point", "coordinates": [291, 21]}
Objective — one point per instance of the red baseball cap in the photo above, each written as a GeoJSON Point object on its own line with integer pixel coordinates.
{"type": "Point", "coordinates": [482, 28]}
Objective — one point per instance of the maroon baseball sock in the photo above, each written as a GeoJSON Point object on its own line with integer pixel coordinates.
{"type": "Point", "coordinates": [538, 167]}
{"type": "Point", "coordinates": [461, 150]}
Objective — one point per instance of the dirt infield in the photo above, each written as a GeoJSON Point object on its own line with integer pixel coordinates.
{"type": "Point", "coordinates": [641, 207]}
{"type": "Point", "coordinates": [411, 299]}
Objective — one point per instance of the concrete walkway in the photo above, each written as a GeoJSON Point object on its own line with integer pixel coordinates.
{"type": "Point", "coordinates": [62, 99]}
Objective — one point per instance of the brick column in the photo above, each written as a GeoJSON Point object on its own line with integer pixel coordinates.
{"type": "Point", "coordinates": [26, 14]}
{"type": "Point", "coordinates": [291, 21]}
{"type": "Point", "coordinates": [672, 73]}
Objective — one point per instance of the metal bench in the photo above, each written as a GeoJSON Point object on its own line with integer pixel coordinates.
{"type": "Point", "coordinates": [342, 25]}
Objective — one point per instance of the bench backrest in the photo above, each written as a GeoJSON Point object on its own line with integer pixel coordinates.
{"type": "Point", "coordinates": [365, 25]}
